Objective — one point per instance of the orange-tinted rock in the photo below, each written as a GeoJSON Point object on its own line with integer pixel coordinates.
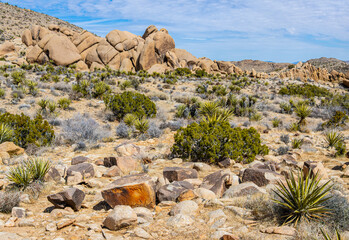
{"type": "Point", "coordinates": [134, 190]}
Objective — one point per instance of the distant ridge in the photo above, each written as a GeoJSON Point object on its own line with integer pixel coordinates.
{"type": "Point", "coordinates": [259, 66]}
{"type": "Point", "coordinates": [330, 64]}
{"type": "Point", "coordinates": [14, 20]}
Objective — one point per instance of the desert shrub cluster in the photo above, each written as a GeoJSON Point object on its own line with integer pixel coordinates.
{"type": "Point", "coordinates": [213, 141]}
{"type": "Point", "coordinates": [25, 131]}
{"type": "Point", "coordinates": [130, 102]}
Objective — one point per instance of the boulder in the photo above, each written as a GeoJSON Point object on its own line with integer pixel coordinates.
{"type": "Point", "coordinates": [346, 82]}
{"type": "Point", "coordinates": [42, 43]}
{"type": "Point", "coordinates": [113, 171]}
{"type": "Point", "coordinates": [72, 197]}
{"type": "Point", "coordinates": [133, 190]}
{"type": "Point", "coordinates": [116, 36]}
{"type": "Point", "coordinates": [219, 181]}
{"type": "Point", "coordinates": [106, 52]}
{"type": "Point", "coordinates": [35, 30]}
{"type": "Point", "coordinates": [43, 58]}
{"type": "Point", "coordinates": [261, 177]}
{"type": "Point", "coordinates": [11, 148]}
{"type": "Point", "coordinates": [126, 65]}
{"type": "Point", "coordinates": [27, 38]}
{"type": "Point", "coordinates": [151, 29]}
{"type": "Point", "coordinates": [147, 57]}
{"type": "Point", "coordinates": [158, 68]}
{"type": "Point", "coordinates": [79, 173]}
{"type": "Point", "coordinates": [179, 174]}
{"type": "Point", "coordinates": [87, 43]}
{"type": "Point", "coordinates": [34, 54]}
{"type": "Point", "coordinates": [6, 48]}
{"type": "Point", "coordinates": [170, 192]}
{"type": "Point", "coordinates": [62, 51]}
{"type": "Point", "coordinates": [120, 217]}
{"type": "Point", "coordinates": [92, 56]}
{"type": "Point", "coordinates": [243, 189]}
{"type": "Point", "coordinates": [126, 163]}
{"type": "Point", "coordinates": [127, 150]}
{"type": "Point", "coordinates": [81, 66]}
{"type": "Point", "coordinates": [205, 194]}
{"type": "Point", "coordinates": [184, 55]}
{"type": "Point", "coordinates": [43, 32]}
{"type": "Point", "coordinates": [53, 175]}
{"type": "Point", "coordinates": [96, 66]}
{"type": "Point", "coordinates": [163, 42]}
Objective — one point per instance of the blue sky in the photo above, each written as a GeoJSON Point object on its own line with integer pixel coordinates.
{"type": "Point", "coordinates": [269, 30]}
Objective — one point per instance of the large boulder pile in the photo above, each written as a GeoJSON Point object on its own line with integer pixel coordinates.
{"type": "Point", "coordinates": [121, 50]}
{"type": "Point", "coordinates": [305, 71]}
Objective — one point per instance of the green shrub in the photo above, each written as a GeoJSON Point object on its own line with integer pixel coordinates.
{"type": "Point", "coordinates": [276, 122]}
{"type": "Point", "coordinates": [201, 73]}
{"type": "Point", "coordinates": [130, 102]}
{"type": "Point", "coordinates": [286, 108]}
{"type": "Point", "coordinates": [305, 90]}
{"type": "Point", "coordinates": [303, 111]}
{"type": "Point", "coordinates": [340, 149]}
{"type": "Point", "coordinates": [64, 103]}
{"type": "Point", "coordinates": [28, 131]}
{"type": "Point", "coordinates": [212, 141]}
{"type": "Point", "coordinates": [99, 89]}
{"type": "Point", "coordinates": [18, 77]}
{"type": "Point", "coordinates": [338, 119]}
{"type": "Point", "coordinates": [126, 84]}
{"type": "Point", "coordinates": [182, 71]}
{"type": "Point", "coordinates": [130, 119]}
{"type": "Point", "coordinates": [302, 197]}
{"type": "Point", "coordinates": [43, 103]}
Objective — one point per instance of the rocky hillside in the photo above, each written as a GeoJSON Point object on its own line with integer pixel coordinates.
{"type": "Point", "coordinates": [259, 66]}
{"type": "Point", "coordinates": [330, 64]}
{"type": "Point", "coordinates": [15, 20]}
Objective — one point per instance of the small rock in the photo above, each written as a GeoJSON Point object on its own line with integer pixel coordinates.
{"type": "Point", "coordinates": [79, 159]}
{"type": "Point", "coordinates": [170, 192]}
{"type": "Point", "coordinates": [141, 233]}
{"type": "Point", "coordinates": [51, 227]}
{"type": "Point", "coordinates": [71, 197]}
{"type": "Point", "coordinates": [186, 195]}
{"type": "Point", "coordinates": [243, 189]}
{"type": "Point", "coordinates": [122, 216]}
{"type": "Point", "coordinates": [283, 230]}
{"type": "Point", "coordinates": [65, 223]}
{"type": "Point", "coordinates": [205, 193]}
{"type": "Point", "coordinates": [179, 174]}
{"type": "Point", "coordinates": [18, 212]}
{"type": "Point", "coordinates": [179, 221]}
{"type": "Point", "coordinates": [186, 208]}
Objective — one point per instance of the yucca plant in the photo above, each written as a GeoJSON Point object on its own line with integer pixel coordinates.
{"type": "Point", "coordinates": [130, 119]}
{"type": "Point", "coordinates": [38, 168]}
{"type": "Point", "coordinates": [303, 111]}
{"type": "Point", "coordinates": [302, 198]}
{"type": "Point", "coordinates": [64, 103]}
{"type": "Point", "coordinates": [276, 122]}
{"type": "Point", "coordinates": [20, 176]}
{"type": "Point", "coordinates": [220, 116]}
{"type": "Point", "coordinates": [180, 111]}
{"type": "Point", "coordinates": [327, 236]}
{"type": "Point", "coordinates": [333, 138]}
{"type": "Point", "coordinates": [293, 127]}
{"type": "Point", "coordinates": [6, 133]}
{"type": "Point", "coordinates": [51, 107]}
{"type": "Point", "coordinates": [297, 143]}
{"type": "Point", "coordinates": [209, 108]}
{"type": "Point", "coordinates": [142, 125]}
{"type": "Point", "coordinates": [43, 103]}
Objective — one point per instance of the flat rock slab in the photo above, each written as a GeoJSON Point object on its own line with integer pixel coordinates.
{"type": "Point", "coordinates": [134, 190]}
{"type": "Point", "coordinates": [120, 217]}
{"type": "Point", "coordinates": [179, 174]}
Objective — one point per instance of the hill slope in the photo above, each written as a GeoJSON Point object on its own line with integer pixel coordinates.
{"type": "Point", "coordinates": [259, 66]}
{"type": "Point", "coordinates": [330, 64]}
{"type": "Point", "coordinates": [14, 20]}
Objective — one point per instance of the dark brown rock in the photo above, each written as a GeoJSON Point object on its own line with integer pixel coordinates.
{"type": "Point", "coordinates": [53, 175]}
{"type": "Point", "coordinates": [71, 197]}
{"type": "Point", "coordinates": [170, 192]}
{"type": "Point", "coordinates": [260, 177]}
{"type": "Point", "coordinates": [134, 190]}
{"type": "Point", "coordinates": [79, 159]}
{"type": "Point", "coordinates": [218, 182]}
{"type": "Point", "coordinates": [179, 174]}
{"type": "Point", "coordinates": [225, 163]}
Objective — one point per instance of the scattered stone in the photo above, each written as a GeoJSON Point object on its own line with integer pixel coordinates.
{"type": "Point", "coordinates": [51, 227]}
{"type": "Point", "coordinates": [243, 189]}
{"type": "Point", "coordinates": [79, 173]}
{"type": "Point", "coordinates": [186, 208]}
{"type": "Point", "coordinates": [179, 174]}
{"type": "Point", "coordinates": [283, 230]}
{"type": "Point", "coordinates": [261, 177]}
{"type": "Point", "coordinates": [18, 212]}
{"type": "Point", "coordinates": [141, 233]}
{"type": "Point", "coordinates": [71, 197]}
{"type": "Point", "coordinates": [126, 164]}
{"type": "Point", "coordinates": [79, 159]}
{"type": "Point", "coordinates": [219, 181]}
{"type": "Point", "coordinates": [121, 217]}
{"type": "Point", "coordinates": [11, 148]}
{"type": "Point", "coordinates": [227, 162]}
{"type": "Point", "coordinates": [180, 221]}
{"type": "Point", "coordinates": [134, 190]}
{"type": "Point", "coordinates": [315, 168]}
{"type": "Point", "coordinates": [205, 193]}
{"type": "Point", "coordinates": [186, 195]}
{"type": "Point", "coordinates": [170, 192]}
{"type": "Point", "coordinates": [65, 223]}
{"type": "Point", "coordinates": [53, 175]}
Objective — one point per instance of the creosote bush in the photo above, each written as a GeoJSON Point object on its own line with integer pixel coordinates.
{"type": "Point", "coordinates": [130, 102]}
{"type": "Point", "coordinates": [213, 141]}
{"type": "Point", "coordinates": [9, 200]}
{"type": "Point", "coordinates": [28, 131]}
